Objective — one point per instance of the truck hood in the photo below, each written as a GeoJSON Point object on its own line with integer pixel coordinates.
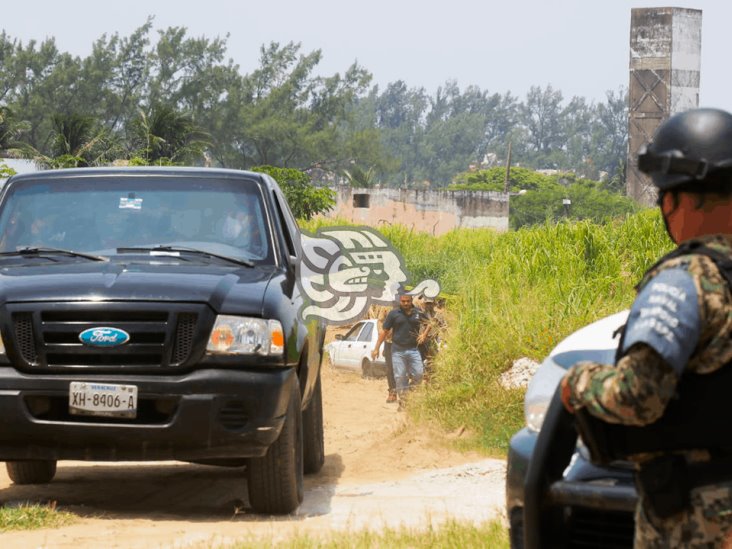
{"type": "Point", "coordinates": [242, 288]}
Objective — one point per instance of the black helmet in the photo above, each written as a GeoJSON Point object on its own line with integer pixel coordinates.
{"type": "Point", "coordinates": [687, 147]}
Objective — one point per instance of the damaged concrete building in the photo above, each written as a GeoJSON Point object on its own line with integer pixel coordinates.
{"type": "Point", "coordinates": [433, 212]}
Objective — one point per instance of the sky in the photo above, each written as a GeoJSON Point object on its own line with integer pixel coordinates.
{"type": "Point", "coordinates": [579, 47]}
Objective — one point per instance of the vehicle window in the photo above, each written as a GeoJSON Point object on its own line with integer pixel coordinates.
{"type": "Point", "coordinates": [352, 335]}
{"type": "Point", "coordinates": [365, 334]}
{"type": "Point", "coordinates": [100, 214]}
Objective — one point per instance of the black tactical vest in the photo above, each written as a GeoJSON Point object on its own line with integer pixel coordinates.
{"type": "Point", "coordinates": [698, 417]}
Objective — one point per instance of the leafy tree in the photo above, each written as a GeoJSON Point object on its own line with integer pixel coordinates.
{"type": "Point", "coordinates": [493, 179]}
{"type": "Point", "coordinates": [282, 114]}
{"type": "Point", "coordinates": [113, 76]}
{"type": "Point", "coordinates": [501, 124]}
{"type": "Point", "coordinates": [80, 136]}
{"type": "Point", "coordinates": [285, 114]}
{"type": "Point", "coordinates": [536, 198]}
{"type": "Point", "coordinates": [359, 178]}
{"type": "Point", "coordinates": [163, 134]}
{"type": "Point", "coordinates": [538, 206]}
{"type": "Point", "coordinates": [541, 115]}
{"type": "Point", "coordinates": [399, 114]}
{"type": "Point", "coordinates": [11, 129]}
{"type": "Point", "coordinates": [77, 141]}
{"type": "Point", "coordinates": [609, 137]}
{"type": "Point", "coordinates": [305, 200]}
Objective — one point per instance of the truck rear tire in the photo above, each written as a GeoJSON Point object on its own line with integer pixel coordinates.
{"type": "Point", "coordinates": [33, 471]}
{"type": "Point", "coordinates": [275, 481]}
{"type": "Point", "coordinates": [312, 427]}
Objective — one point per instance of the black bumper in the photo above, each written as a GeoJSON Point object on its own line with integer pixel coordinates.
{"type": "Point", "coordinates": [203, 414]}
{"type": "Point", "coordinates": [593, 506]}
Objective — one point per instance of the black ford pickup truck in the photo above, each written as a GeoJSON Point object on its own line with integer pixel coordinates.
{"type": "Point", "coordinates": [153, 314]}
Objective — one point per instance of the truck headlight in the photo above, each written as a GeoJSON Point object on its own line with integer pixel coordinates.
{"type": "Point", "coordinates": [2, 347]}
{"type": "Point", "coordinates": [540, 392]}
{"type": "Point", "coordinates": [241, 335]}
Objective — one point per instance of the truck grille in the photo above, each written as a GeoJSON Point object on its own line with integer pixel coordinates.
{"type": "Point", "coordinates": [184, 337]}
{"type": "Point", "coordinates": [590, 528]}
{"type": "Point", "coordinates": [24, 337]}
{"type": "Point", "coordinates": [160, 334]}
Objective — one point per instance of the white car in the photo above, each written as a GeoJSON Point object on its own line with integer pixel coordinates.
{"type": "Point", "coordinates": [353, 350]}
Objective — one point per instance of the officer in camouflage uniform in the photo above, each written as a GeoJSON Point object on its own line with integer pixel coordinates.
{"type": "Point", "coordinates": [680, 323]}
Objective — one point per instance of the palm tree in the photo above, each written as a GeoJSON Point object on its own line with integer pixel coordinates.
{"type": "Point", "coordinates": [11, 130]}
{"type": "Point", "coordinates": [76, 141]}
{"type": "Point", "coordinates": [165, 135]}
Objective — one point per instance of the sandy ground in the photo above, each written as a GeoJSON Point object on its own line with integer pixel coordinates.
{"type": "Point", "coordinates": [379, 471]}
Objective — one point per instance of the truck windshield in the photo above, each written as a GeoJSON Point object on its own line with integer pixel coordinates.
{"type": "Point", "coordinates": [103, 213]}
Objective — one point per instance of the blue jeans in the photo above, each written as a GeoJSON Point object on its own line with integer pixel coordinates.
{"type": "Point", "coordinates": [407, 363]}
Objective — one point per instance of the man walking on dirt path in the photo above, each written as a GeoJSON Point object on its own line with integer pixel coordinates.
{"type": "Point", "coordinates": [405, 324]}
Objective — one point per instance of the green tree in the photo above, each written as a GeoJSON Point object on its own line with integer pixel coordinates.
{"type": "Point", "coordinates": [541, 116]}
{"type": "Point", "coordinates": [11, 129]}
{"type": "Point", "coordinates": [282, 114]}
{"type": "Point", "coordinates": [586, 202]}
{"type": "Point", "coordinates": [609, 137]}
{"type": "Point", "coordinates": [359, 178]}
{"type": "Point", "coordinates": [304, 198]}
{"type": "Point", "coordinates": [112, 78]}
{"type": "Point", "coordinates": [493, 179]}
{"type": "Point", "coordinates": [161, 134]}
{"type": "Point", "coordinates": [79, 136]}
{"type": "Point", "coordinates": [537, 198]}
{"type": "Point", "coordinates": [399, 114]}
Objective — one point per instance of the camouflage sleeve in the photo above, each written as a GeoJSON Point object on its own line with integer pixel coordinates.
{"type": "Point", "coordinates": [633, 392]}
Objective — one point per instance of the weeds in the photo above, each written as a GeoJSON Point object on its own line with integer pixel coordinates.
{"type": "Point", "coordinates": [32, 517]}
{"type": "Point", "coordinates": [452, 534]}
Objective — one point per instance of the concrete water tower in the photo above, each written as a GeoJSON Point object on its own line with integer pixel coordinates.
{"type": "Point", "coordinates": [665, 62]}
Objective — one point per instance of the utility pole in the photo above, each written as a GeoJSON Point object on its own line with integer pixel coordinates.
{"type": "Point", "coordinates": [508, 169]}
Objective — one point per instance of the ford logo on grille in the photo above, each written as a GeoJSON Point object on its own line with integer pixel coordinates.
{"type": "Point", "coordinates": [104, 337]}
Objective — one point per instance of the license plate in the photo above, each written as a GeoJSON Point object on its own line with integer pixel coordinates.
{"type": "Point", "coordinates": [102, 399]}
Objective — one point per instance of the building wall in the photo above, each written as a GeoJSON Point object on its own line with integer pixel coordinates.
{"type": "Point", "coordinates": [665, 63]}
{"type": "Point", "coordinates": [434, 212]}
{"type": "Point", "coordinates": [20, 165]}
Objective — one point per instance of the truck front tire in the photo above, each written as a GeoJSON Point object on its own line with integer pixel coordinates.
{"type": "Point", "coordinates": [34, 471]}
{"type": "Point", "coordinates": [275, 481]}
{"type": "Point", "coordinates": [312, 423]}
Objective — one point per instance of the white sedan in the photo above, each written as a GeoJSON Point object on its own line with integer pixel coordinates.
{"type": "Point", "coordinates": [353, 350]}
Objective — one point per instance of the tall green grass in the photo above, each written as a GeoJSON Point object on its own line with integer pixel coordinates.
{"type": "Point", "coordinates": [517, 294]}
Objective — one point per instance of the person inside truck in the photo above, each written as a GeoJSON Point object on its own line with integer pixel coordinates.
{"type": "Point", "coordinates": [241, 228]}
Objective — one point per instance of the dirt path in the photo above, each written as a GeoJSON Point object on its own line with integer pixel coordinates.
{"type": "Point", "coordinates": [378, 471]}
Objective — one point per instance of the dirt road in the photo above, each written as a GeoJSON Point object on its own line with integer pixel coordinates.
{"type": "Point", "coordinates": [378, 471]}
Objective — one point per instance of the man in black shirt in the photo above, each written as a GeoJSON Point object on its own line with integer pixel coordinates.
{"type": "Point", "coordinates": [405, 324]}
